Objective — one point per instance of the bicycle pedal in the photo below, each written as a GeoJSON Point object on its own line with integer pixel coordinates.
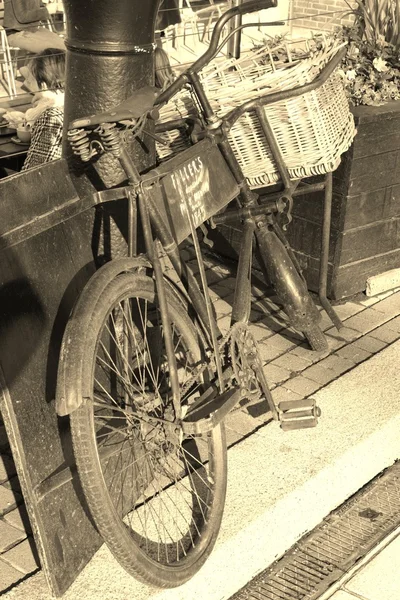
{"type": "Point", "coordinates": [298, 414]}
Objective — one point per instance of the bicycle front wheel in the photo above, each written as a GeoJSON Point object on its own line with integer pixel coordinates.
{"type": "Point", "coordinates": [156, 496]}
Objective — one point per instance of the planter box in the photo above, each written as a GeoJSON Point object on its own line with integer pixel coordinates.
{"type": "Point", "coordinates": [365, 233]}
{"type": "Point", "coordinates": [365, 238]}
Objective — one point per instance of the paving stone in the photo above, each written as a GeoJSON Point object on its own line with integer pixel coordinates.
{"type": "Point", "coordinates": [348, 309]}
{"type": "Point", "coordinates": [293, 335]}
{"type": "Point", "coordinates": [354, 353]}
{"type": "Point", "coordinates": [259, 410]}
{"type": "Point", "coordinates": [291, 362]}
{"type": "Point", "coordinates": [9, 536]}
{"type": "Point", "coordinates": [230, 297]}
{"type": "Point", "coordinates": [281, 342]}
{"type": "Point", "coordinates": [394, 324]}
{"type": "Point", "coordinates": [23, 557]}
{"type": "Point", "coordinates": [4, 443]}
{"type": "Point", "coordinates": [385, 333]}
{"type": "Point", "coordinates": [228, 284]}
{"type": "Point", "coordinates": [212, 276]}
{"type": "Point", "coordinates": [256, 316]}
{"type": "Point", "coordinates": [271, 323]}
{"type": "Point", "coordinates": [13, 484]}
{"type": "Point", "coordinates": [304, 351]}
{"type": "Point", "coordinates": [319, 374]}
{"type": "Point", "coordinates": [7, 468]}
{"type": "Point", "coordinates": [282, 394]}
{"type": "Point", "coordinates": [267, 351]}
{"type": "Point", "coordinates": [222, 270]}
{"type": "Point", "coordinates": [337, 364]}
{"type": "Point", "coordinates": [335, 341]}
{"type": "Point", "coordinates": [8, 500]}
{"type": "Point", "coordinates": [19, 518]}
{"type": "Point", "coordinates": [8, 576]}
{"type": "Point", "coordinates": [266, 305]}
{"type": "Point", "coordinates": [370, 344]}
{"type": "Point", "coordinates": [224, 324]}
{"type": "Point", "coordinates": [239, 424]}
{"type": "Point", "coordinates": [257, 292]}
{"type": "Point", "coordinates": [301, 385]}
{"type": "Point", "coordinates": [213, 295]}
{"type": "Point", "coordinates": [222, 307]}
{"type": "Point", "coordinates": [389, 306]}
{"type": "Point", "coordinates": [368, 301]}
{"type": "Point", "coordinates": [221, 290]}
{"type": "Point", "coordinates": [260, 330]}
{"type": "Point", "coordinates": [367, 320]}
{"type": "Point", "coordinates": [258, 305]}
{"type": "Point", "coordinates": [325, 322]}
{"type": "Point", "coordinates": [275, 375]}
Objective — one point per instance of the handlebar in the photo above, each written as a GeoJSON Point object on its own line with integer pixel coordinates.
{"type": "Point", "coordinates": [210, 53]}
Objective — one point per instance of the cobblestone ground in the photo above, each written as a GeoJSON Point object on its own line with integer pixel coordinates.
{"type": "Point", "coordinates": [293, 371]}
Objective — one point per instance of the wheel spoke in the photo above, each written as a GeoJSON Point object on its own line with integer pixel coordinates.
{"type": "Point", "coordinates": [166, 488]}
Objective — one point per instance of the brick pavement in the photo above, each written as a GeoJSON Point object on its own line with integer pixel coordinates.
{"type": "Point", "coordinates": [292, 369]}
{"type": "Point", "coordinates": [18, 556]}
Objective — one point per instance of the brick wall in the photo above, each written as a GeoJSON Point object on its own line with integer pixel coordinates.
{"type": "Point", "coordinates": [305, 13]}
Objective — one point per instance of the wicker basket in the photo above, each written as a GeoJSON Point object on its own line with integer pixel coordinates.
{"type": "Point", "coordinates": [312, 130]}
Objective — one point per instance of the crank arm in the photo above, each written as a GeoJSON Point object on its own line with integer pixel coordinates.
{"type": "Point", "coordinates": [207, 416]}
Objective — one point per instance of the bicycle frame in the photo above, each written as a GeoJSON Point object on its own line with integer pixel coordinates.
{"type": "Point", "coordinates": [147, 217]}
{"type": "Point", "coordinates": [148, 193]}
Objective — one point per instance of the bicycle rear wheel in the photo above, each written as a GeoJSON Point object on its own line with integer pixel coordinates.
{"type": "Point", "coordinates": [156, 496]}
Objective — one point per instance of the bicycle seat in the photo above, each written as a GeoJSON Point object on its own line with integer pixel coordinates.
{"type": "Point", "coordinates": [135, 106]}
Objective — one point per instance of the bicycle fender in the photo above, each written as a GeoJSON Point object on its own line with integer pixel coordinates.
{"type": "Point", "coordinates": [73, 354]}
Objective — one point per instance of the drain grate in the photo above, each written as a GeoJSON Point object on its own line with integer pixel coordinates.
{"type": "Point", "coordinates": [323, 556]}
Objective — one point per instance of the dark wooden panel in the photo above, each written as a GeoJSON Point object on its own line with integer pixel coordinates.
{"type": "Point", "coordinates": [380, 170]}
{"type": "Point", "coordinates": [349, 246]}
{"type": "Point", "coordinates": [341, 177]}
{"type": "Point", "coordinates": [31, 203]}
{"type": "Point", "coordinates": [370, 207]}
{"type": "Point", "coordinates": [371, 240]}
{"type": "Point", "coordinates": [368, 145]}
{"type": "Point", "coordinates": [351, 279]}
{"type": "Point", "coordinates": [310, 269]}
{"type": "Point", "coordinates": [305, 236]}
{"type": "Point", "coordinates": [375, 129]}
{"type": "Point", "coordinates": [380, 114]}
{"type": "Point", "coordinates": [348, 279]}
{"type": "Point", "coordinates": [311, 207]}
{"type": "Point", "coordinates": [370, 114]}
{"type": "Point", "coordinates": [40, 279]}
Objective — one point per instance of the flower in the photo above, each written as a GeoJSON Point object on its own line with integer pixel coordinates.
{"type": "Point", "coordinates": [371, 75]}
{"type": "Point", "coordinates": [380, 64]}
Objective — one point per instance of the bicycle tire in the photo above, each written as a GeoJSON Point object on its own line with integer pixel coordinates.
{"type": "Point", "coordinates": [121, 503]}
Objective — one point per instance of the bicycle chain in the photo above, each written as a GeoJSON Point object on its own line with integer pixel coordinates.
{"type": "Point", "coordinates": [201, 370]}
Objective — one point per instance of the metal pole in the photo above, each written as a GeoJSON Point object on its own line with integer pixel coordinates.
{"type": "Point", "coordinates": [233, 46]}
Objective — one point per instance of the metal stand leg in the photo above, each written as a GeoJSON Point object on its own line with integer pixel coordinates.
{"type": "Point", "coordinates": [324, 257]}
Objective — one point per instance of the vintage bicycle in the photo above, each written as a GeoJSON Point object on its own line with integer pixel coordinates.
{"type": "Point", "coordinates": [145, 374]}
